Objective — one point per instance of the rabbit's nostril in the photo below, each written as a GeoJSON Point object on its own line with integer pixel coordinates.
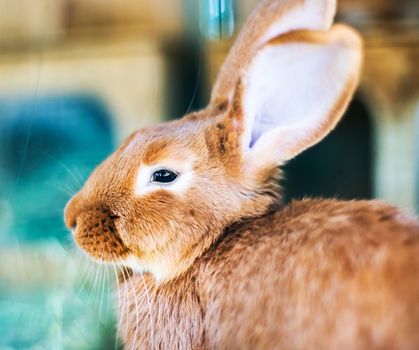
{"type": "Point", "coordinates": [73, 225]}
{"type": "Point", "coordinates": [71, 222]}
{"type": "Point", "coordinates": [70, 214]}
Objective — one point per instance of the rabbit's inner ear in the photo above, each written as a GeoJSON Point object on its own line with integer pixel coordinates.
{"type": "Point", "coordinates": [144, 183]}
{"type": "Point", "coordinates": [296, 90]}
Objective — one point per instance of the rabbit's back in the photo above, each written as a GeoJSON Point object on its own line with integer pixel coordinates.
{"type": "Point", "coordinates": [315, 274]}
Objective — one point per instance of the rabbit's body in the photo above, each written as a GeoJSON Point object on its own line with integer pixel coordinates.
{"type": "Point", "coordinates": [340, 275]}
{"type": "Point", "coordinates": [191, 202]}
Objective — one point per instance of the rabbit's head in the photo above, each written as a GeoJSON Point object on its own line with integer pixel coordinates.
{"type": "Point", "coordinates": [169, 191]}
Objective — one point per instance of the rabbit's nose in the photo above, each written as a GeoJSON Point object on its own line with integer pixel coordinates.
{"type": "Point", "coordinates": [70, 213]}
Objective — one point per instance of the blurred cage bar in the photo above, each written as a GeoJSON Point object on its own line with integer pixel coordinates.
{"type": "Point", "coordinates": [216, 18]}
{"type": "Point", "coordinates": [78, 76]}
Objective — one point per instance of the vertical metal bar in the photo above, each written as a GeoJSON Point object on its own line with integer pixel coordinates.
{"type": "Point", "coordinates": [216, 18]}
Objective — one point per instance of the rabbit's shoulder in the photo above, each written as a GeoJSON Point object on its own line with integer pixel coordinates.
{"type": "Point", "coordinates": [314, 235]}
{"type": "Point", "coordinates": [321, 221]}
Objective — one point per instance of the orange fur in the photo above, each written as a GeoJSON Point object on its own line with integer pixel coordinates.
{"type": "Point", "coordinates": [309, 283]}
{"type": "Point", "coordinates": [227, 265]}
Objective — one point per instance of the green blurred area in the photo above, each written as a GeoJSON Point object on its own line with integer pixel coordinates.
{"type": "Point", "coordinates": [69, 308]}
{"type": "Point", "coordinates": [48, 298]}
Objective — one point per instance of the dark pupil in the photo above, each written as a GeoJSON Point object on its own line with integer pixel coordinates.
{"type": "Point", "coordinates": [164, 176]}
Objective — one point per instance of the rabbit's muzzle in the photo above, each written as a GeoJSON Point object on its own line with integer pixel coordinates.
{"type": "Point", "coordinates": [95, 232]}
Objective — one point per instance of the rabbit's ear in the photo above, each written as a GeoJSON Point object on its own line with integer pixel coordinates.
{"type": "Point", "coordinates": [294, 92]}
{"type": "Point", "coordinates": [270, 19]}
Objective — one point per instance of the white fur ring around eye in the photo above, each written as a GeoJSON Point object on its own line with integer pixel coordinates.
{"type": "Point", "coordinates": [174, 178]}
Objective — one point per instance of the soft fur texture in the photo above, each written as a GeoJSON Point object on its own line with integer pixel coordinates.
{"type": "Point", "coordinates": [214, 260]}
{"type": "Point", "coordinates": [309, 283]}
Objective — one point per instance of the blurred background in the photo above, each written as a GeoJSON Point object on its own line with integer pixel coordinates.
{"type": "Point", "coordinates": [77, 76]}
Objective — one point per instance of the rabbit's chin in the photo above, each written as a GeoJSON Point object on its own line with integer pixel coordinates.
{"type": "Point", "coordinates": [132, 262]}
{"type": "Point", "coordinates": [161, 269]}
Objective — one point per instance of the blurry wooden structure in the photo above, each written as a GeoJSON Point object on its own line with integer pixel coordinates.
{"type": "Point", "coordinates": [390, 89]}
{"type": "Point", "coordinates": [115, 50]}
{"type": "Point", "coordinates": [111, 49]}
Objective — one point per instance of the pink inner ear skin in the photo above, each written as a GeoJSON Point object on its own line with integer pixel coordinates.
{"type": "Point", "coordinates": [256, 132]}
{"type": "Point", "coordinates": [258, 129]}
{"type": "Point", "coordinates": [296, 89]}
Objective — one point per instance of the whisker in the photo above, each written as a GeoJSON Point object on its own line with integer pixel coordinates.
{"type": "Point", "coordinates": [149, 311]}
{"type": "Point", "coordinates": [108, 293]}
{"type": "Point", "coordinates": [58, 211]}
{"type": "Point", "coordinates": [92, 295]}
{"type": "Point", "coordinates": [65, 167]}
{"type": "Point", "coordinates": [64, 189]}
{"type": "Point", "coordinates": [118, 316]}
{"type": "Point", "coordinates": [86, 274]}
{"type": "Point", "coordinates": [195, 89]}
{"type": "Point", "coordinates": [79, 174]}
{"type": "Point", "coordinates": [124, 306]}
{"type": "Point", "coordinates": [137, 319]}
{"type": "Point", "coordinates": [101, 287]}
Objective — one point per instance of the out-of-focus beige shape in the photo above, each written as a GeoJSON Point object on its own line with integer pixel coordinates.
{"type": "Point", "coordinates": [111, 49]}
{"type": "Point", "coordinates": [127, 75]}
{"type": "Point", "coordinates": [158, 16]}
{"type": "Point", "coordinates": [32, 22]}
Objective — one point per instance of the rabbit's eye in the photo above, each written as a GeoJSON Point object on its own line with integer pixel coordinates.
{"type": "Point", "coordinates": [164, 176]}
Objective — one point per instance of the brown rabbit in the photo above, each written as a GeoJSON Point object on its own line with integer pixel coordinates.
{"type": "Point", "coordinates": [195, 205]}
